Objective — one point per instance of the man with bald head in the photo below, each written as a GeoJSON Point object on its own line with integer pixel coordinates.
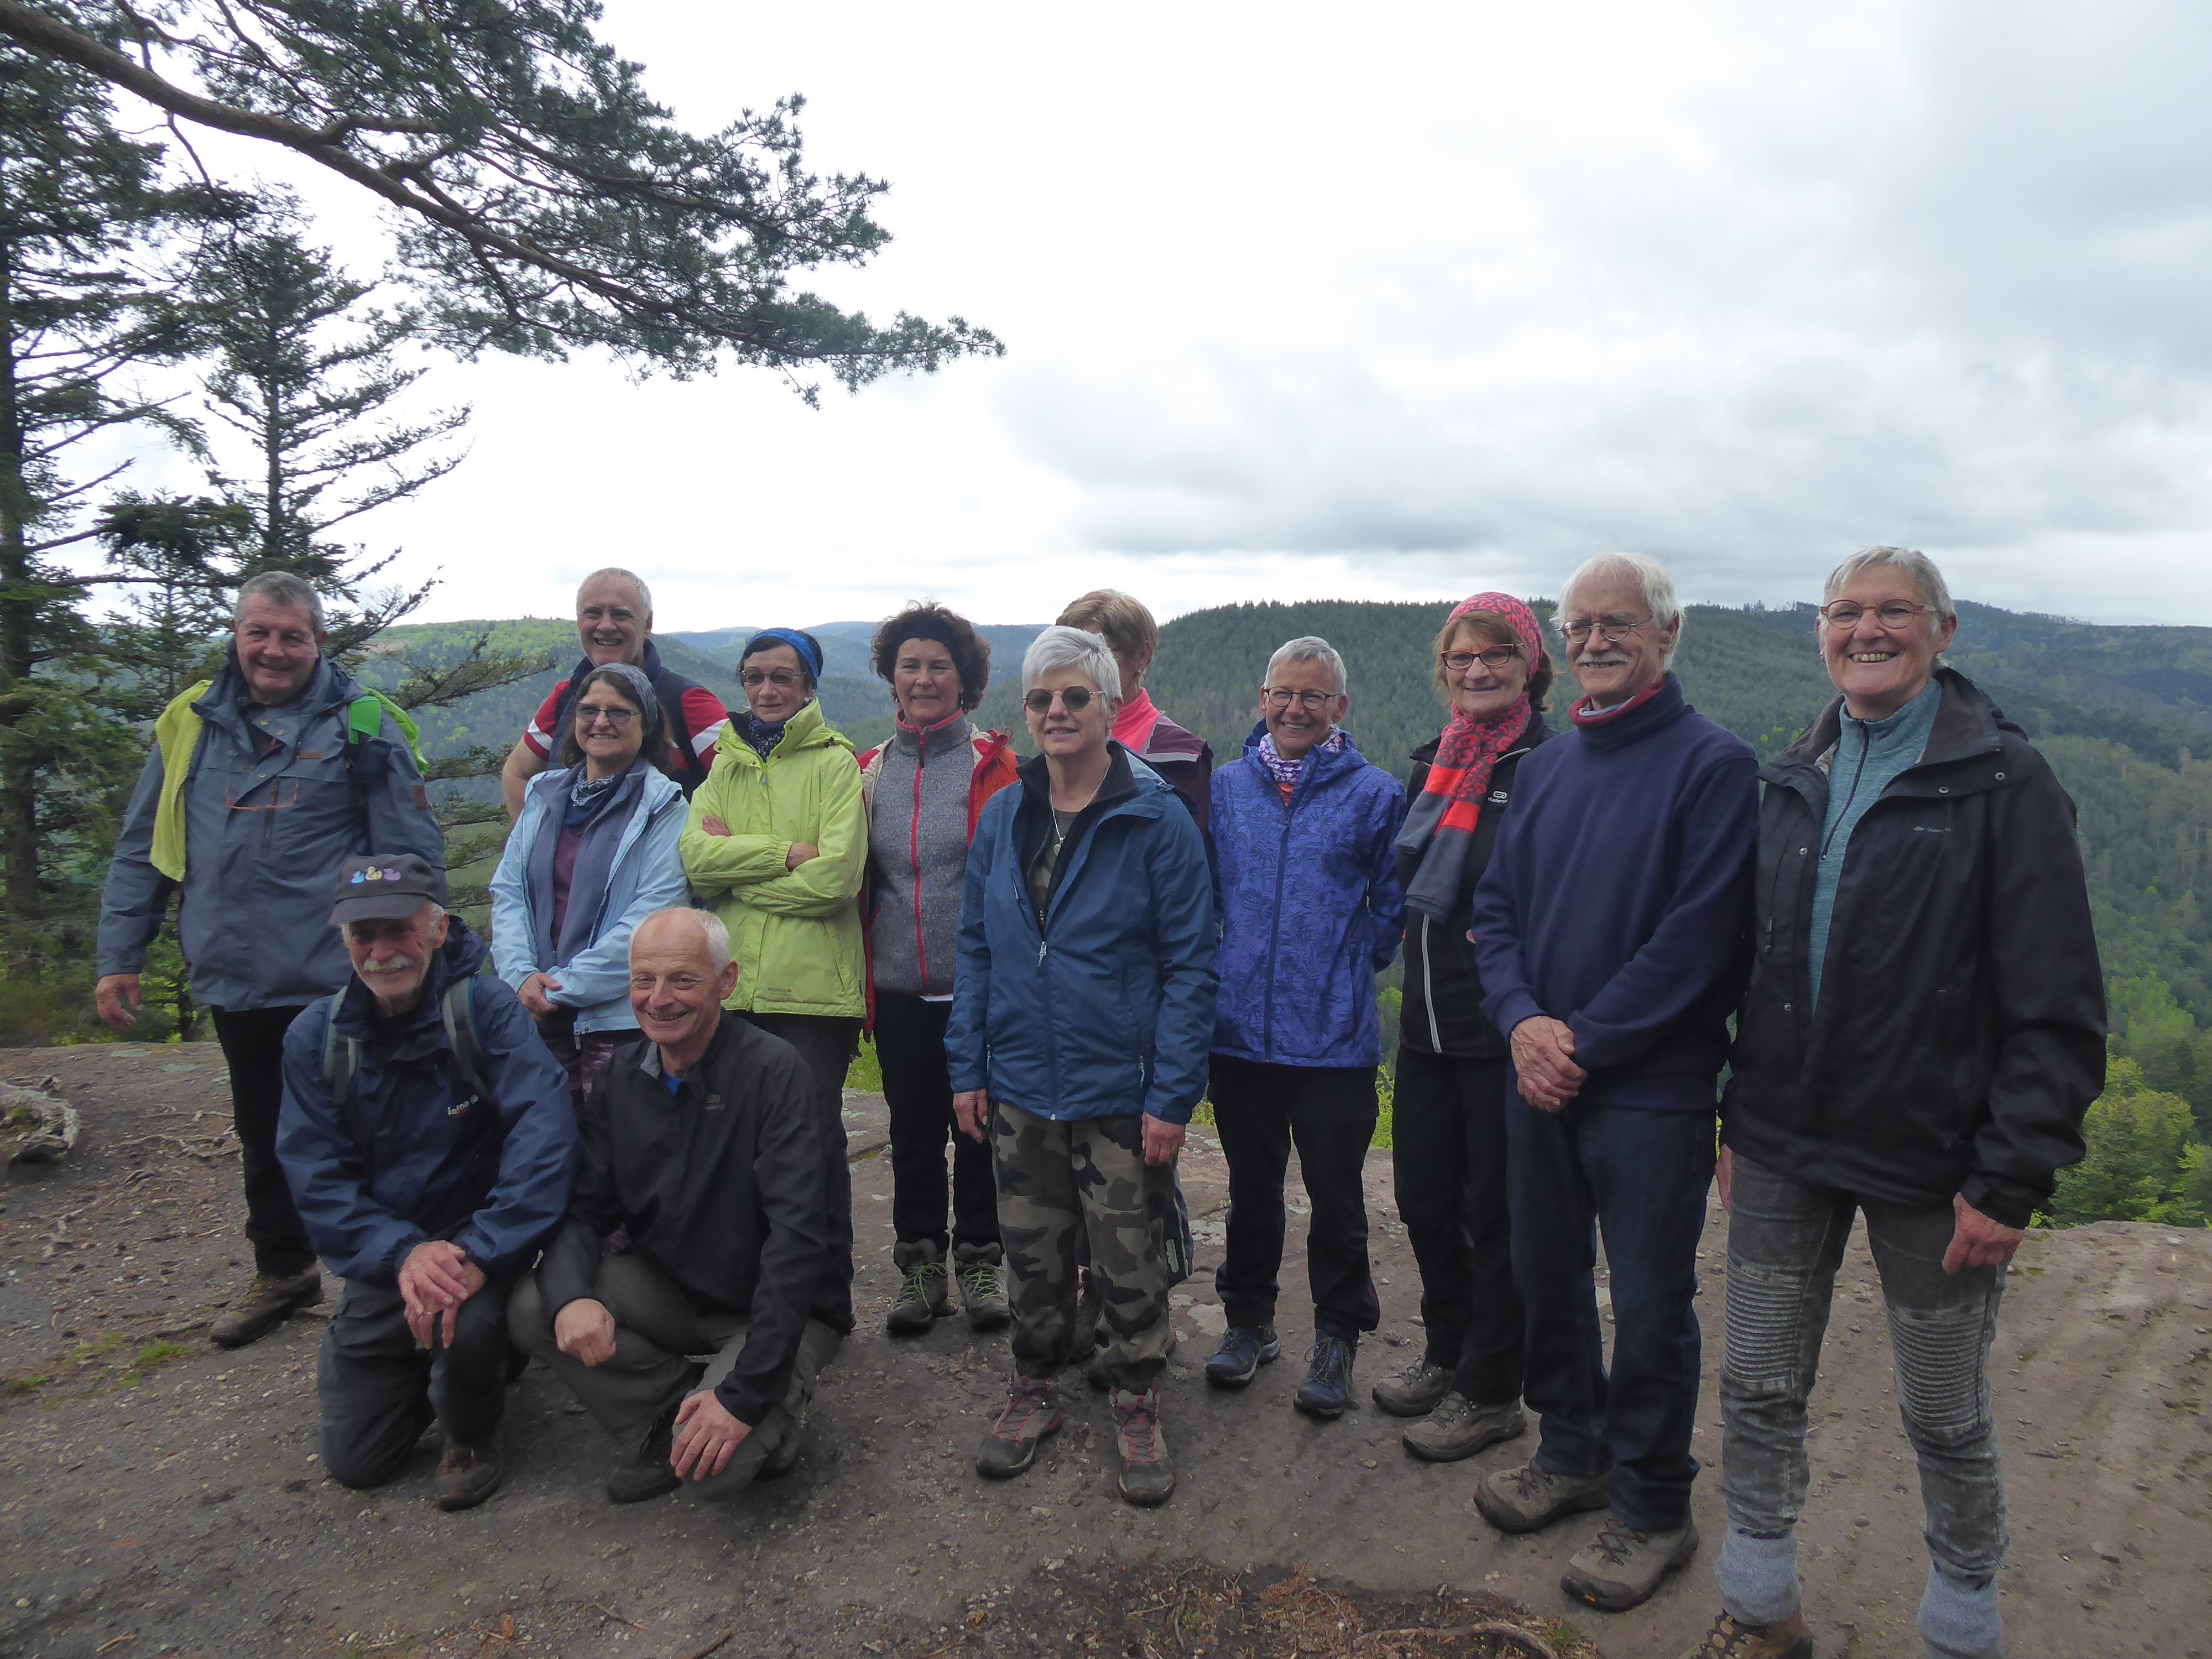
{"type": "Point", "coordinates": [614, 624]}
{"type": "Point", "coordinates": [699, 1224]}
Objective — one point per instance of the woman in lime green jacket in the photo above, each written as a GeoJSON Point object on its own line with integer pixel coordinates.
{"type": "Point", "coordinates": [776, 844]}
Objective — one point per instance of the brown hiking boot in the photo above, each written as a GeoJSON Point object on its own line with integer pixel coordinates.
{"type": "Point", "coordinates": [1530, 1496]}
{"type": "Point", "coordinates": [1459, 1428]}
{"type": "Point", "coordinates": [1414, 1391]}
{"type": "Point", "coordinates": [1620, 1567]}
{"type": "Point", "coordinates": [469, 1474]}
{"type": "Point", "coordinates": [265, 1306]}
{"type": "Point", "coordinates": [1729, 1639]}
{"type": "Point", "coordinates": [647, 1472]}
{"type": "Point", "coordinates": [1147, 1476]}
{"type": "Point", "coordinates": [1032, 1413]}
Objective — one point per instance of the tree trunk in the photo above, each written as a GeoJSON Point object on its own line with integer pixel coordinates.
{"type": "Point", "coordinates": [19, 817]}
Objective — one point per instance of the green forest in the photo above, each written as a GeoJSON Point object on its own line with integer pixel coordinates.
{"type": "Point", "coordinates": [2123, 713]}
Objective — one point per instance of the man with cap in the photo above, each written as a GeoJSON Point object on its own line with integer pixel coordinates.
{"type": "Point", "coordinates": [614, 624]}
{"type": "Point", "coordinates": [700, 1225]}
{"type": "Point", "coordinates": [429, 1137]}
{"type": "Point", "coordinates": [260, 780]}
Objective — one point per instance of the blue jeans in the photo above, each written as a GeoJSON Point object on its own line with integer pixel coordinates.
{"type": "Point", "coordinates": [1641, 1175]}
{"type": "Point", "coordinates": [1785, 1242]}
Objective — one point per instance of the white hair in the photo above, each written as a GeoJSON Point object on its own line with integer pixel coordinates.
{"type": "Point", "coordinates": [1309, 647]}
{"type": "Point", "coordinates": [717, 935]}
{"type": "Point", "coordinates": [283, 589]}
{"type": "Point", "coordinates": [1651, 576]}
{"type": "Point", "coordinates": [1933, 593]}
{"type": "Point", "coordinates": [615, 572]}
{"type": "Point", "coordinates": [1071, 648]}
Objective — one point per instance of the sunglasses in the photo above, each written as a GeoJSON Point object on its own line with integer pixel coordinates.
{"type": "Point", "coordinates": [1075, 699]}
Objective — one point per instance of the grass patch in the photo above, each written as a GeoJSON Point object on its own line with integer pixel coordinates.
{"type": "Point", "coordinates": [159, 1351]}
{"type": "Point", "coordinates": [16, 1387]}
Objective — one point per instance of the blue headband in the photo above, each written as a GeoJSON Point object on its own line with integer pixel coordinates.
{"type": "Point", "coordinates": [809, 652]}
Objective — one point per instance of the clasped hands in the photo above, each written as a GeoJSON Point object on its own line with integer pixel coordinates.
{"type": "Point", "coordinates": [1544, 1061]}
{"type": "Point", "coordinates": [707, 1433]}
{"type": "Point", "coordinates": [434, 1279]}
{"type": "Point", "coordinates": [971, 1109]}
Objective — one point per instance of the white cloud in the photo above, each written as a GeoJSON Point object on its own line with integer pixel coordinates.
{"type": "Point", "coordinates": [1397, 302]}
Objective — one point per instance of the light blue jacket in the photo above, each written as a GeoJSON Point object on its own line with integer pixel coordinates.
{"type": "Point", "coordinates": [647, 875]}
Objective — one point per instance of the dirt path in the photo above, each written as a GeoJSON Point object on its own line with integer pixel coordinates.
{"type": "Point", "coordinates": [156, 1501]}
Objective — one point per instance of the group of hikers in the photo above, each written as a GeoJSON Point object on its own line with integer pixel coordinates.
{"type": "Point", "coordinates": [623, 1152]}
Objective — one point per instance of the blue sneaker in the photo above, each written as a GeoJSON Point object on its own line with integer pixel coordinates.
{"type": "Point", "coordinates": [1328, 1388]}
{"type": "Point", "coordinates": [1243, 1350]}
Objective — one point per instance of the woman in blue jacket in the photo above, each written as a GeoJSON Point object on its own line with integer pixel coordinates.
{"type": "Point", "coordinates": [1311, 905]}
{"type": "Point", "coordinates": [1082, 1005]}
{"type": "Point", "coordinates": [594, 853]}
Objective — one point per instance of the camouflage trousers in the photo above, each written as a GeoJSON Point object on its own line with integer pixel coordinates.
{"type": "Point", "coordinates": [1088, 1178]}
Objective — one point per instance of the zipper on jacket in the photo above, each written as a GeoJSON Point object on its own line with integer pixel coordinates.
{"type": "Point", "coordinates": [1429, 989]}
{"type": "Point", "coordinates": [1275, 931]}
{"type": "Point", "coordinates": [913, 851]}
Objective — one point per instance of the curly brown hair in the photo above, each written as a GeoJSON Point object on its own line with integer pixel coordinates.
{"type": "Point", "coordinates": [1489, 626]}
{"type": "Point", "coordinates": [923, 619]}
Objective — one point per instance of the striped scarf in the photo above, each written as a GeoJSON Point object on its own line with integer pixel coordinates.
{"type": "Point", "coordinates": [1439, 830]}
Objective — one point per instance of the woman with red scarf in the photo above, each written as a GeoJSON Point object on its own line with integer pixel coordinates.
{"type": "Point", "coordinates": [1448, 1122]}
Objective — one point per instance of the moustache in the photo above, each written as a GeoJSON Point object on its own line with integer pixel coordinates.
{"type": "Point", "coordinates": [392, 965]}
{"type": "Point", "coordinates": [1609, 659]}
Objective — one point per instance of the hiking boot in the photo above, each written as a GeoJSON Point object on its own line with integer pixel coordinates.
{"type": "Point", "coordinates": [1529, 1497]}
{"type": "Point", "coordinates": [469, 1474]}
{"type": "Point", "coordinates": [784, 1458]}
{"type": "Point", "coordinates": [1326, 1390]}
{"type": "Point", "coordinates": [1729, 1639]}
{"type": "Point", "coordinates": [980, 1273]}
{"type": "Point", "coordinates": [1089, 1309]}
{"type": "Point", "coordinates": [1459, 1428]}
{"type": "Point", "coordinates": [648, 1473]}
{"type": "Point", "coordinates": [1415, 1391]}
{"type": "Point", "coordinates": [1147, 1477]}
{"type": "Point", "coordinates": [923, 1296]}
{"type": "Point", "coordinates": [265, 1306]}
{"type": "Point", "coordinates": [1620, 1567]}
{"type": "Point", "coordinates": [1243, 1350]}
{"type": "Point", "coordinates": [1032, 1413]}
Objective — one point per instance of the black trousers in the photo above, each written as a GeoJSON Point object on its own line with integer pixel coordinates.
{"type": "Point", "coordinates": [252, 1042]}
{"type": "Point", "coordinates": [379, 1390]}
{"type": "Point", "coordinates": [1448, 1126]}
{"type": "Point", "coordinates": [1329, 1112]}
{"type": "Point", "coordinates": [827, 1044]}
{"type": "Point", "coordinates": [918, 1088]}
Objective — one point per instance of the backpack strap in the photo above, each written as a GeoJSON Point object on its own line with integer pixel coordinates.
{"type": "Point", "coordinates": [459, 1013]}
{"type": "Point", "coordinates": [365, 722]}
{"type": "Point", "coordinates": [341, 1054]}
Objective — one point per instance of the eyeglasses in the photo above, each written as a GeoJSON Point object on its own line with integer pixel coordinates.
{"type": "Point", "coordinates": [1893, 615]}
{"type": "Point", "coordinates": [1281, 697]}
{"type": "Point", "coordinates": [617, 718]}
{"type": "Point", "coordinates": [1075, 699]}
{"type": "Point", "coordinates": [782, 678]}
{"type": "Point", "coordinates": [1608, 629]}
{"type": "Point", "coordinates": [1494, 658]}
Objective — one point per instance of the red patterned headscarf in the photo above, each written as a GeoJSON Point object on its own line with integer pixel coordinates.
{"type": "Point", "coordinates": [1440, 827]}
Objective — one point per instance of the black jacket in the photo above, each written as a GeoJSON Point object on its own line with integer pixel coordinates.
{"type": "Point", "coordinates": [1960, 1032]}
{"type": "Point", "coordinates": [720, 1186]}
{"type": "Point", "coordinates": [1443, 1009]}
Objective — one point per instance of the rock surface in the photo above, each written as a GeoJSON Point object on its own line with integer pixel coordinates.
{"type": "Point", "coordinates": [154, 1488]}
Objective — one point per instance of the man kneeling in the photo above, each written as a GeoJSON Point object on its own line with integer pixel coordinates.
{"type": "Point", "coordinates": [700, 1224]}
{"type": "Point", "coordinates": [426, 1134]}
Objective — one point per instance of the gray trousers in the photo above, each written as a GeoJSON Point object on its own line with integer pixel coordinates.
{"type": "Point", "coordinates": [1785, 1242]}
{"type": "Point", "coordinates": [657, 1330]}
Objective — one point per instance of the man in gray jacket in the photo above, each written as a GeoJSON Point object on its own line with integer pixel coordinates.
{"type": "Point", "coordinates": [261, 782]}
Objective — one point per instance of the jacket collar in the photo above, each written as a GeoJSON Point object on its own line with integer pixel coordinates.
{"type": "Point", "coordinates": [942, 738]}
{"type": "Point", "coordinates": [1645, 715]}
{"type": "Point", "coordinates": [1323, 765]}
{"type": "Point", "coordinates": [228, 692]}
{"type": "Point", "coordinates": [807, 729]}
{"type": "Point", "coordinates": [1121, 784]}
{"type": "Point", "coordinates": [1966, 724]}
{"type": "Point", "coordinates": [728, 1030]}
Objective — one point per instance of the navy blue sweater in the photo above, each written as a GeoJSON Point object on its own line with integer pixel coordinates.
{"type": "Point", "coordinates": [1619, 900]}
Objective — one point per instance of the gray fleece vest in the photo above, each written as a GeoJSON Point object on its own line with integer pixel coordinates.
{"type": "Point", "coordinates": [920, 805]}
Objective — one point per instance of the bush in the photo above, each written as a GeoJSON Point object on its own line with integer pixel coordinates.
{"type": "Point", "coordinates": [2143, 1163]}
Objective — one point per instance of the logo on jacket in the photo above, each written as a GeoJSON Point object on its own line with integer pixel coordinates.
{"type": "Point", "coordinates": [1498, 797]}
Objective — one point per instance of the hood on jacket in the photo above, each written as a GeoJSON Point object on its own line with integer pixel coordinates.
{"type": "Point", "coordinates": [807, 729]}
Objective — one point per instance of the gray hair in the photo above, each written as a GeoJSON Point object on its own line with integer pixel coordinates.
{"type": "Point", "coordinates": [1071, 648]}
{"type": "Point", "coordinates": [615, 571]}
{"type": "Point", "coordinates": [283, 589]}
{"type": "Point", "coordinates": [1309, 647]}
{"type": "Point", "coordinates": [1651, 576]}
{"type": "Point", "coordinates": [1933, 593]}
{"type": "Point", "coordinates": [718, 936]}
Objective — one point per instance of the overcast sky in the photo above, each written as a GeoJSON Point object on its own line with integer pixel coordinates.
{"type": "Point", "coordinates": [1403, 302]}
